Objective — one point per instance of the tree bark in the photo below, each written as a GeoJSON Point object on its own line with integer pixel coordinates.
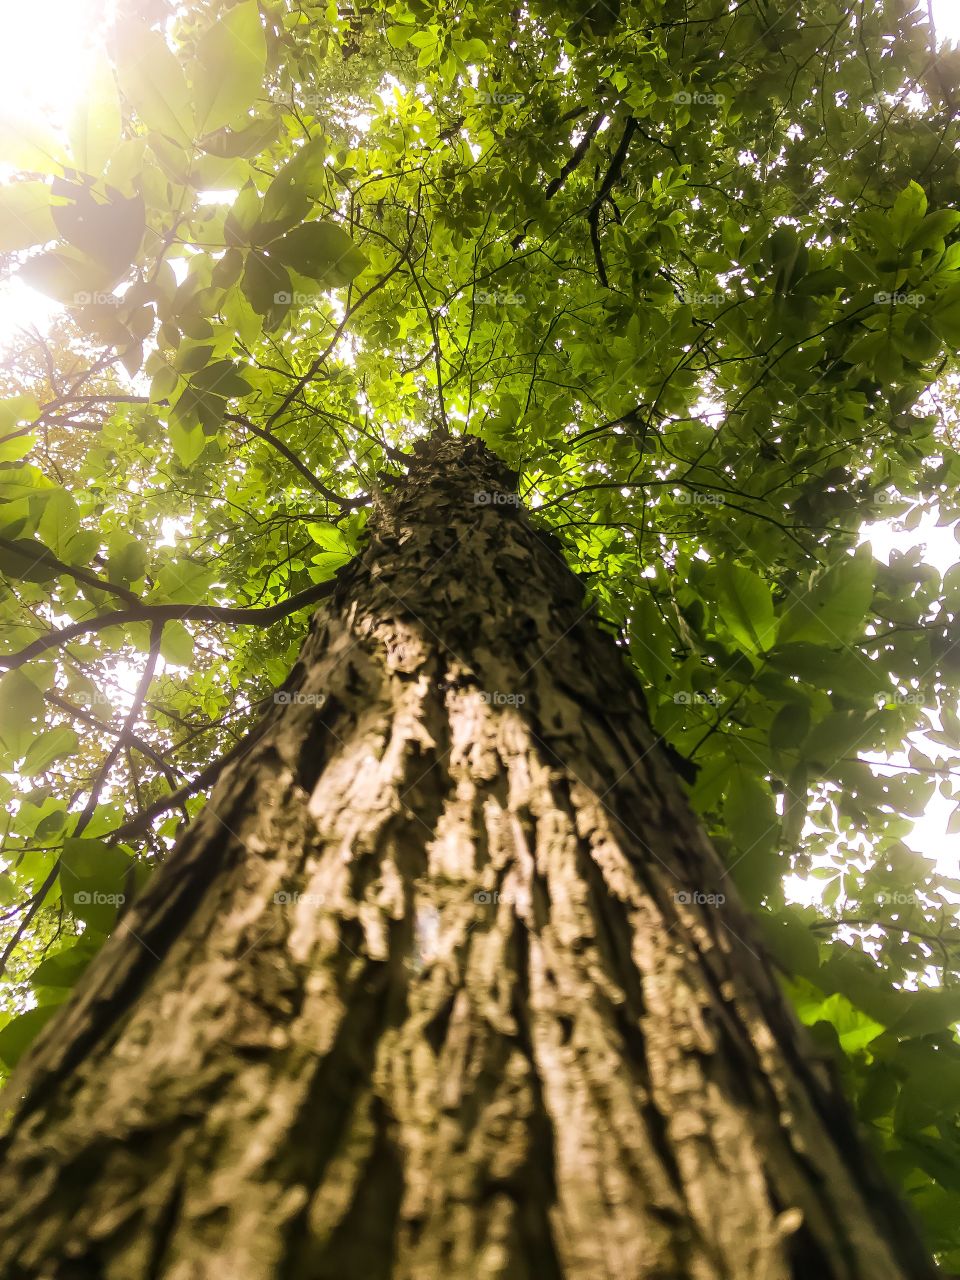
{"type": "Point", "coordinates": [444, 981]}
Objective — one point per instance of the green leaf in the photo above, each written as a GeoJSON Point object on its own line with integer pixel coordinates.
{"type": "Point", "coordinates": [193, 358]}
{"type": "Point", "coordinates": [26, 143]}
{"type": "Point", "coordinates": [243, 217]}
{"type": "Point", "coordinates": [16, 410]}
{"type": "Point", "coordinates": [855, 1029]}
{"type": "Point", "coordinates": [907, 212]}
{"type": "Point", "coordinates": [231, 57]}
{"type": "Point", "coordinates": [788, 255]}
{"type": "Point", "coordinates": [244, 142]}
{"type": "Point", "coordinates": [21, 702]}
{"type": "Point", "coordinates": [163, 384]}
{"type": "Point", "coordinates": [934, 227]}
{"type": "Point", "coordinates": [108, 231]}
{"type": "Point", "coordinates": [25, 217]}
{"type": "Point", "coordinates": [95, 880]}
{"type": "Point", "coordinates": [28, 560]}
{"type": "Point", "coordinates": [818, 284]}
{"type": "Point", "coordinates": [266, 284]}
{"type": "Point", "coordinates": [67, 276]}
{"type": "Point", "coordinates": [841, 734]}
{"type": "Point", "coordinates": [792, 943]}
{"type": "Point", "coordinates": [126, 557]}
{"type": "Point", "coordinates": [746, 606]}
{"type": "Point", "coordinates": [222, 377]}
{"type": "Point", "coordinates": [59, 522]}
{"type": "Point", "coordinates": [750, 816]}
{"type": "Point", "coordinates": [228, 269]}
{"type": "Point", "coordinates": [153, 83]}
{"type": "Point", "coordinates": [64, 967]}
{"type": "Point", "coordinates": [300, 184]}
{"type": "Point", "coordinates": [20, 1032]}
{"type": "Point", "coordinates": [326, 563]}
{"type": "Point", "coordinates": [188, 441]}
{"type": "Point", "coordinates": [327, 536]}
{"type": "Point", "coordinates": [790, 726]}
{"type": "Point", "coordinates": [400, 35]}
{"type": "Point", "coordinates": [50, 746]}
{"type": "Point", "coordinates": [16, 447]}
{"type": "Point", "coordinates": [650, 644]}
{"type": "Point", "coordinates": [844, 671]}
{"type": "Point", "coordinates": [321, 250]}
{"type": "Point", "coordinates": [95, 130]}
{"type": "Point", "coordinates": [832, 609]}
{"type": "Point", "coordinates": [176, 646]}
{"type": "Point", "coordinates": [925, 1011]}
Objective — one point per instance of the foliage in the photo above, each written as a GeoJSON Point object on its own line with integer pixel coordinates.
{"type": "Point", "coordinates": [692, 269]}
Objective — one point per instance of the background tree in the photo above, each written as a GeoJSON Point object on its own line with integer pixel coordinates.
{"type": "Point", "coordinates": [692, 274]}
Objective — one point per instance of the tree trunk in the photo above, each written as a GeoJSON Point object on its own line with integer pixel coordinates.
{"type": "Point", "coordinates": [445, 981]}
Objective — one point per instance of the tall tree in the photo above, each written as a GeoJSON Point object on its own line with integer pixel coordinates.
{"type": "Point", "coordinates": [444, 978]}
{"type": "Point", "coordinates": [692, 273]}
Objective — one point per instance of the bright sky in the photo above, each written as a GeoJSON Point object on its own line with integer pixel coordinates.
{"type": "Point", "coordinates": [46, 49]}
{"type": "Point", "coordinates": [946, 18]}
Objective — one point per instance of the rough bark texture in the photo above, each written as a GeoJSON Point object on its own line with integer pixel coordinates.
{"type": "Point", "coordinates": [425, 992]}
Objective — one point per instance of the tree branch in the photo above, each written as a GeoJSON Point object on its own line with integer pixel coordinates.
{"type": "Point", "coordinates": [258, 617]}
{"type": "Point", "coordinates": [573, 162]}
{"type": "Point", "coordinates": [576, 158]}
{"type": "Point", "coordinates": [338, 333]}
{"type": "Point", "coordinates": [46, 557]}
{"type": "Point", "coordinates": [133, 715]}
{"type": "Point", "coordinates": [80, 713]}
{"type": "Point", "coordinates": [205, 778]}
{"type": "Point", "coordinates": [610, 179]}
{"type": "Point", "coordinates": [345, 504]}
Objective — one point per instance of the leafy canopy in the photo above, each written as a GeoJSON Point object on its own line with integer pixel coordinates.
{"type": "Point", "coordinates": [693, 269]}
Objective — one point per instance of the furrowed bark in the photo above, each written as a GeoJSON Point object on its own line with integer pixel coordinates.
{"type": "Point", "coordinates": [444, 981]}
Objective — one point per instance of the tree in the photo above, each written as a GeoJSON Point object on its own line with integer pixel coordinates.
{"type": "Point", "coordinates": [345, 293]}
{"type": "Point", "coordinates": [445, 976]}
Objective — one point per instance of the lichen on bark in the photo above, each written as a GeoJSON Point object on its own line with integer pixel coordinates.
{"type": "Point", "coordinates": [445, 979]}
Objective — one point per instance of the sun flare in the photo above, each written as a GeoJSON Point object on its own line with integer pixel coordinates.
{"type": "Point", "coordinates": [45, 54]}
